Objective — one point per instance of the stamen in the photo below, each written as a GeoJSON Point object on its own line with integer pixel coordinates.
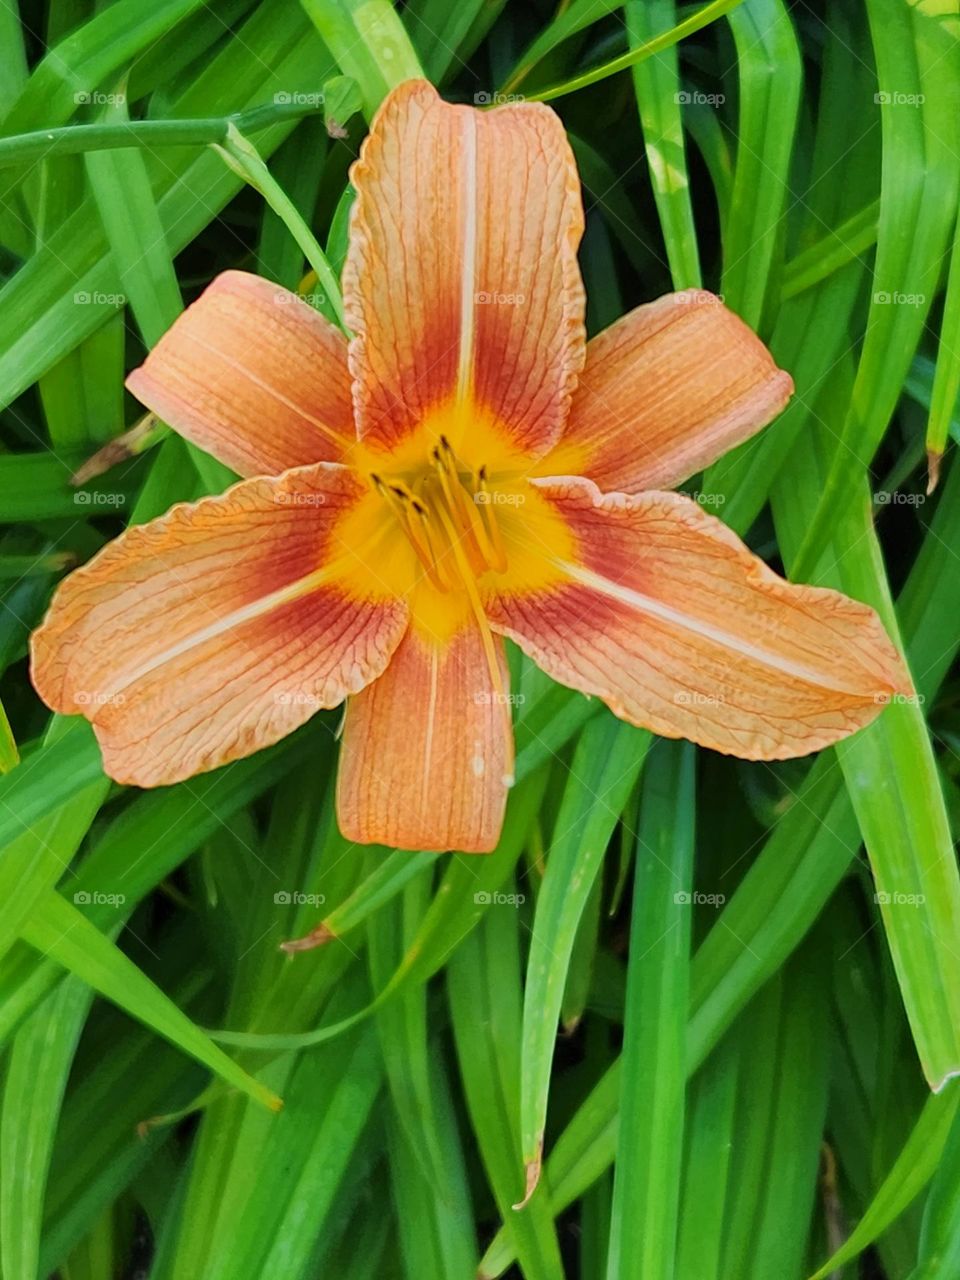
{"type": "Point", "coordinates": [441, 519]}
{"type": "Point", "coordinates": [398, 496]}
{"type": "Point", "coordinates": [494, 551]}
{"type": "Point", "coordinates": [462, 508]}
{"type": "Point", "coordinates": [486, 635]}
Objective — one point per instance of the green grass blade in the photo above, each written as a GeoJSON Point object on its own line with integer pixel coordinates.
{"type": "Point", "coordinates": [769, 74]}
{"type": "Point", "coordinates": [483, 984]}
{"type": "Point", "coordinates": [40, 1061]}
{"type": "Point", "coordinates": [646, 1182]}
{"type": "Point", "coordinates": [135, 234]}
{"type": "Point", "coordinates": [939, 1253]}
{"type": "Point", "coordinates": [946, 382]}
{"type": "Point", "coordinates": [664, 40]}
{"type": "Point", "coordinates": [605, 767]}
{"type": "Point", "coordinates": [61, 931]}
{"type": "Point", "coordinates": [891, 775]}
{"type": "Point", "coordinates": [369, 43]}
{"type": "Point", "coordinates": [912, 1170]}
{"type": "Point", "coordinates": [656, 83]}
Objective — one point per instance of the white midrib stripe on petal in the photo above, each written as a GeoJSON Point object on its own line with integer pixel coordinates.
{"type": "Point", "coordinates": [256, 609]}
{"type": "Point", "coordinates": [468, 266]}
{"type": "Point", "coordinates": [697, 626]}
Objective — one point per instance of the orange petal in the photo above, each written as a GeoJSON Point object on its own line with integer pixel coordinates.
{"type": "Point", "coordinates": [665, 391]}
{"type": "Point", "coordinates": [215, 630]}
{"type": "Point", "coordinates": [461, 282]}
{"type": "Point", "coordinates": [253, 375]}
{"type": "Point", "coordinates": [427, 749]}
{"type": "Point", "coordinates": [671, 620]}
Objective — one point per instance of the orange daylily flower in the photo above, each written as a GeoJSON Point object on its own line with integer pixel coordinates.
{"type": "Point", "coordinates": [465, 467]}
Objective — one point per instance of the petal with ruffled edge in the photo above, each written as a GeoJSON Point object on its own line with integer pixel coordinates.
{"type": "Point", "coordinates": [461, 281]}
{"type": "Point", "coordinates": [216, 629]}
{"type": "Point", "coordinates": [254, 375]}
{"type": "Point", "coordinates": [674, 623]}
{"type": "Point", "coordinates": [664, 392]}
{"type": "Point", "coordinates": [428, 748]}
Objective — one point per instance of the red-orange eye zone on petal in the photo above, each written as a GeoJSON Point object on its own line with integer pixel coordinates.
{"type": "Point", "coordinates": [667, 616]}
{"type": "Point", "coordinates": [216, 629]}
{"type": "Point", "coordinates": [461, 282]}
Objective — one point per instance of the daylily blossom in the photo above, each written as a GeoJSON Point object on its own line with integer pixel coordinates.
{"type": "Point", "coordinates": [464, 467]}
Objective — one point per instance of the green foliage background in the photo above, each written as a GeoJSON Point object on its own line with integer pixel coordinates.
{"type": "Point", "coordinates": [753, 968]}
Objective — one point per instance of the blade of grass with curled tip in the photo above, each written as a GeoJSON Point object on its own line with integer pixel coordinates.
{"type": "Point", "coordinates": [242, 156]}
{"type": "Point", "coordinates": [803, 860]}
{"type": "Point", "coordinates": [606, 764]}
{"type": "Point", "coordinates": [946, 381]}
{"type": "Point", "coordinates": [646, 1184]}
{"type": "Point", "coordinates": [891, 775]}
